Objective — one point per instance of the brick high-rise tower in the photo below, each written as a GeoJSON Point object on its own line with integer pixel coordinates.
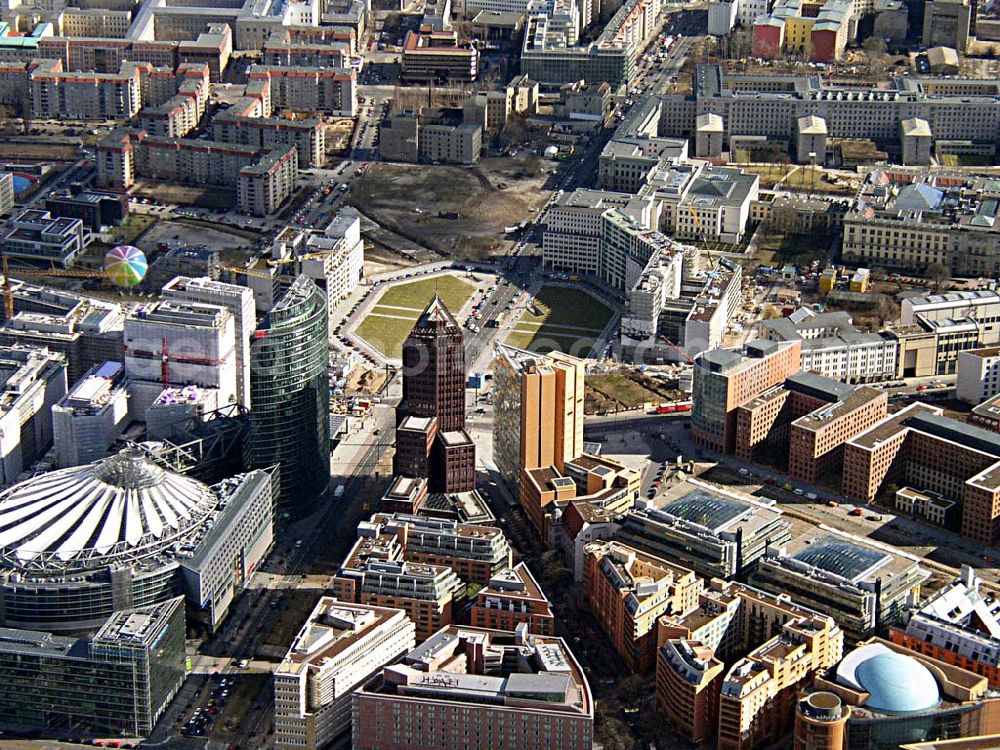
{"type": "Point", "coordinates": [431, 441]}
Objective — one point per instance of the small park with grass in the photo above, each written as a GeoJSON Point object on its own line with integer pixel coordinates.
{"type": "Point", "coordinates": [563, 319]}
{"type": "Point", "coordinates": [391, 319]}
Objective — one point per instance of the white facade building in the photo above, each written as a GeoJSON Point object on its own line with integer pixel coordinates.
{"type": "Point", "coordinates": [340, 646]}
{"type": "Point", "coordinates": [978, 375]}
{"type": "Point", "coordinates": [722, 16]}
{"type": "Point", "coordinates": [91, 416]}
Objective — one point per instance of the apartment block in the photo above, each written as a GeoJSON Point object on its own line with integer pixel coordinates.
{"type": "Point", "coordinates": [339, 648]}
{"type": "Point", "coordinates": [539, 411]}
{"type": "Point", "coordinates": [308, 137]}
{"type": "Point", "coordinates": [263, 177]}
{"type": "Point", "coordinates": [6, 193]}
{"type": "Point", "coordinates": [376, 573]}
{"type": "Point", "coordinates": [920, 448]}
{"type": "Point", "coordinates": [512, 598]}
{"type": "Point", "coordinates": [484, 687]}
{"type": "Point", "coordinates": [774, 647]}
{"type": "Point", "coordinates": [32, 381]}
{"type": "Point", "coordinates": [325, 49]}
{"type": "Point", "coordinates": [960, 625]}
{"type": "Point", "coordinates": [304, 88]}
{"type": "Point", "coordinates": [56, 94]}
{"type": "Point", "coordinates": [863, 585]}
{"type": "Point", "coordinates": [476, 553]}
{"type": "Point", "coordinates": [430, 136]}
{"type": "Point", "coordinates": [38, 235]}
{"type": "Point", "coordinates": [717, 535]}
{"type": "Point", "coordinates": [627, 590]}
{"type": "Point", "coordinates": [725, 379]}
{"type": "Point", "coordinates": [817, 31]}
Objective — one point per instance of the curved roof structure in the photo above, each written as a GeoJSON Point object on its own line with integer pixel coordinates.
{"type": "Point", "coordinates": [895, 683]}
{"type": "Point", "coordinates": [121, 508]}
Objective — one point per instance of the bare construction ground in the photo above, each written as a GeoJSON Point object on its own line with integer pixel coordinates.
{"type": "Point", "coordinates": [413, 201]}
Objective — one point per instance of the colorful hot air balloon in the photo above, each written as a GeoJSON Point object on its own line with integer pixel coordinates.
{"type": "Point", "coordinates": [125, 265]}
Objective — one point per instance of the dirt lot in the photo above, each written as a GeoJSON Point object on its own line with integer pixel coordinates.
{"type": "Point", "coordinates": [175, 232]}
{"type": "Point", "coordinates": [493, 194]}
{"type": "Point", "coordinates": [338, 135]}
{"type": "Point", "coordinates": [186, 195]}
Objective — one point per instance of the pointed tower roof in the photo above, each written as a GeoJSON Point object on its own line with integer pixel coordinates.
{"type": "Point", "coordinates": [435, 315]}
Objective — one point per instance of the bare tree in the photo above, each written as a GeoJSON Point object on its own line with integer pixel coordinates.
{"type": "Point", "coordinates": [937, 274]}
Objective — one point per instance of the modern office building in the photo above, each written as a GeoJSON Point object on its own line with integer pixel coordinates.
{"type": "Point", "coordinates": [897, 697]}
{"type": "Point", "coordinates": [627, 590]}
{"type": "Point", "coordinates": [99, 552]}
{"type": "Point", "coordinates": [176, 342]}
{"type": "Point", "coordinates": [41, 236]}
{"type": "Point", "coordinates": [119, 682]}
{"type": "Point", "coordinates": [486, 689]}
{"type": "Point", "coordinates": [716, 535]}
{"type": "Point", "coordinates": [431, 439]}
{"type": "Point", "coordinates": [95, 209]}
{"type": "Point", "coordinates": [340, 647]}
{"type": "Point", "coordinates": [438, 56]}
{"type": "Point", "coordinates": [959, 625]}
{"type": "Point", "coordinates": [239, 301]}
{"type": "Point", "coordinates": [289, 390]}
{"type": "Point", "coordinates": [513, 597]}
{"type": "Point", "coordinates": [376, 573]}
{"type": "Point", "coordinates": [86, 423]}
{"type": "Point", "coordinates": [920, 448]}
{"type": "Point", "coordinates": [774, 648]}
{"type": "Point", "coordinates": [978, 377]}
{"type": "Point", "coordinates": [538, 405]}
{"type": "Point", "coordinates": [865, 586]}
{"type": "Point", "coordinates": [32, 381]}
{"type": "Point", "coordinates": [724, 379]}
{"type": "Point", "coordinates": [475, 553]}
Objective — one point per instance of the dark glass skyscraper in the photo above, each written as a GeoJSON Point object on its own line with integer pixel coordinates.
{"type": "Point", "coordinates": [431, 441]}
{"type": "Point", "coordinates": [289, 390]}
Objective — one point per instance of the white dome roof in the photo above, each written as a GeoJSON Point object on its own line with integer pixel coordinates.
{"type": "Point", "coordinates": [124, 506]}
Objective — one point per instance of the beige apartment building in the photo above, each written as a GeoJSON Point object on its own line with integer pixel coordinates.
{"type": "Point", "coordinates": [111, 24]}
{"type": "Point", "coordinates": [308, 137]}
{"type": "Point", "coordinates": [310, 88]}
{"type": "Point", "coordinates": [57, 94]}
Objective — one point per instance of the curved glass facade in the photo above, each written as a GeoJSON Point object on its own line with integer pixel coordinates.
{"type": "Point", "coordinates": [289, 390]}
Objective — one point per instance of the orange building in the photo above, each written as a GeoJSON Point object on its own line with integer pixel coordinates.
{"type": "Point", "coordinates": [724, 379]}
{"type": "Point", "coordinates": [688, 681]}
{"type": "Point", "coordinates": [627, 590]}
{"type": "Point", "coordinates": [819, 722]}
{"type": "Point", "coordinates": [511, 598]}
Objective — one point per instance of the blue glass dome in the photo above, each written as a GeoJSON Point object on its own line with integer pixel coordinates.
{"type": "Point", "coordinates": [897, 684]}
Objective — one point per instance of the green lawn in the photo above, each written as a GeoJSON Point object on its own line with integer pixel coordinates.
{"type": "Point", "coordinates": [560, 318]}
{"type": "Point", "coordinates": [389, 322]}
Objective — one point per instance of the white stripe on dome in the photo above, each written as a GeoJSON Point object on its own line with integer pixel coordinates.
{"type": "Point", "coordinates": [87, 528]}
{"type": "Point", "coordinates": [61, 525]}
{"type": "Point", "coordinates": [111, 531]}
{"type": "Point", "coordinates": [33, 526]}
{"type": "Point", "coordinates": [133, 522]}
{"type": "Point", "coordinates": [154, 524]}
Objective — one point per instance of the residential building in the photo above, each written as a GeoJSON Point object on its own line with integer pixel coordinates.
{"type": "Point", "coordinates": [538, 401]}
{"type": "Point", "coordinates": [987, 414]}
{"type": "Point", "coordinates": [431, 441]}
{"type": "Point", "coordinates": [304, 88]}
{"type": "Point", "coordinates": [40, 236]}
{"type": "Point", "coordinates": [118, 683]}
{"type": "Point", "coordinates": [463, 672]}
{"type": "Point", "coordinates": [289, 390]}
{"type": "Point", "coordinates": [476, 553]}
{"type": "Point", "coordinates": [513, 597]}
{"type": "Point", "coordinates": [375, 573]}
{"type": "Point", "coordinates": [722, 16]}
{"type": "Point", "coordinates": [58, 94]}
{"type": "Point", "coordinates": [978, 375]}
{"type": "Point", "coordinates": [774, 648]}
{"type": "Point", "coordinates": [920, 448]}
{"type": "Point", "coordinates": [717, 535]}
{"type": "Point", "coordinates": [895, 693]}
{"type": "Point", "coordinates": [340, 646]}
{"type": "Point", "coordinates": [833, 347]}
{"type": "Point", "coordinates": [176, 342]}
{"type": "Point", "coordinates": [6, 193]}
{"type": "Point", "coordinates": [817, 31]}
{"type": "Point", "coordinates": [724, 379]}
{"type": "Point", "coordinates": [32, 381]}
{"type": "Point", "coordinates": [307, 136]}
{"type": "Point", "coordinates": [88, 420]}
{"type": "Point", "coordinates": [627, 590]}
{"type": "Point", "coordinates": [959, 625]}
{"type": "Point", "coordinates": [863, 585]}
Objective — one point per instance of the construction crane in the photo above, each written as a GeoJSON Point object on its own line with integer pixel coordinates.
{"type": "Point", "coordinates": [73, 273]}
{"type": "Point", "coordinates": [687, 357]}
{"type": "Point", "coordinates": [248, 272]}
{"type": "Point", "coordinates": [308, 256]}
